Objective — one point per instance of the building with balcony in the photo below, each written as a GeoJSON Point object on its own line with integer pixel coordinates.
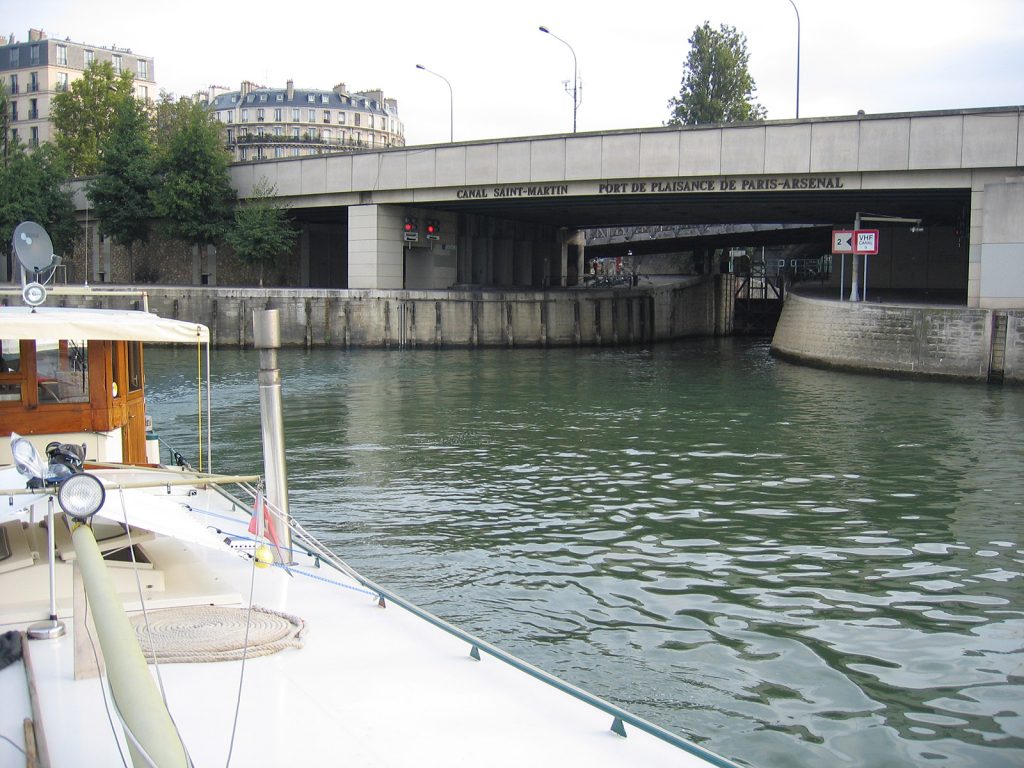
{"type": "Point", "coordinates": [34, 72]}
{"type": "Point", "coordinates": [266, 123]}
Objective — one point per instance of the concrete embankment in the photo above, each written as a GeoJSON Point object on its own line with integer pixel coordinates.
{"type": "Point", "coordinates": [906, 339]}
{"type": "Point", "coordinates": [699, 306]}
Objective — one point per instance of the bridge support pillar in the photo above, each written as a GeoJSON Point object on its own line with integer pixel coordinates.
{"type": "Point", "coordinates": [376, 252]}
{"type": "Point", "coordinates": [996, 250]}
{"type": "Point", "coordinates": [563, 267]}
{"type": "Point", "coordinates": [581, 247]}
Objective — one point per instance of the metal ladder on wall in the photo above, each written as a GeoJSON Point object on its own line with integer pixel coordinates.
{"type": "Point", "coordinates": [997, 356]}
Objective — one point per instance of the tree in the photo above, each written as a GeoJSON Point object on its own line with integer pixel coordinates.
{"type": "Point", "coordinates": [262, 231]}
{"type": "Point", "coordinates": [83, 115]}
{"type": "Point", "coordinates": [193, 194]}
{"type": "Point", "coordinates": [168, 113]}
{"type": "Point", "coordinates": [120, 194]}
{"type": "Point", "coordinates": [32, 189]}
{"type": "Point", "coordinates": [716, 86]}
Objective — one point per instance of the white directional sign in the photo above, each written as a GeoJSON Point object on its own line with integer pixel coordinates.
{"type": "Point", "coordinates": [842, 241]}
{"type": "Point", "coordinates": [866, 241]}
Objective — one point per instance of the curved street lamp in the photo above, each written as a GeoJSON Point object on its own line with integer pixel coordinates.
{"type": "Point", "coordinates": [791, 2]}
{"type": "Point", "coordinates": [451, 102]}
{"type": "Point", "coordinates": [575, 75]}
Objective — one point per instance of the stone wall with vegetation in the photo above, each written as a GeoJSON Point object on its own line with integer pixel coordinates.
{"type": "Point", "coordinates": [162, 261]}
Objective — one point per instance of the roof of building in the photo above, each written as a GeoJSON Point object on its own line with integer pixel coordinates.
{"type": "Point", "coordinates": [38, 37]}
{"type": "Point", "coordinates": [278, 97]}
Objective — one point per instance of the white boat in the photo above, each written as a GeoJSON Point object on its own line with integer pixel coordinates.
{"type": "Point", "coordinates": [173, 625]}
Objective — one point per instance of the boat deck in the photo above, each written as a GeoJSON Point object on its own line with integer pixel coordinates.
{"type": "Point", "coordinates": [371, 686]}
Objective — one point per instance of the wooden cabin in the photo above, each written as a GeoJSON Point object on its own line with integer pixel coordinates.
{"type": "Point", "coordinates": [77, 376]}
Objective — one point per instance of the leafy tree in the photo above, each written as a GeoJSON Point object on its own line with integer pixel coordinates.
{"type": "Point", "coordinates": [168, 113]}
{"type": "Point", "coordinates": [193, 194]}
{"type": "Point", "coordinates": [83, 115]}
{"type": "Point", "coordinates": [717, 86]}
{"type": "Point", "coordinates": [32, 188]}
{"type": "Point", "coordinates": [262, 232]}
{"type": "Point", "coordinates": [120, 194]}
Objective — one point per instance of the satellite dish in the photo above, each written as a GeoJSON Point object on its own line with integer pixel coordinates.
{"type": "Point", "coordinates": [34, 250]}
{"type": "Point", "coordinates": [33, 247]}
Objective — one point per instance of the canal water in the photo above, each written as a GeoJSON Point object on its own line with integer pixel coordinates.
{"type": "Point", "coordinates": [790, 566]}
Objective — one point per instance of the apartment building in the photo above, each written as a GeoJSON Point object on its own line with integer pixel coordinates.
{"type": "Point", "coordinates": [266, 123]}
{"type": "Point", "coordinates": [35, 71]}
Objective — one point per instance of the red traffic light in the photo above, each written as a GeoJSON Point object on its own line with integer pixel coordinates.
{"type": "Point", "coordinates": [431, 228]}
{"type": "Point", "coordinates": [410, 224]}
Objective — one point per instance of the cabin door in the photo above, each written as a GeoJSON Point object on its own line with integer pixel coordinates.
{"type": "Point", "coordinates": [133, 431]}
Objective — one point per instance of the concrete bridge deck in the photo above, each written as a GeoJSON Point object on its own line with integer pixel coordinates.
{"type": "Point", "coordinates": [511, 210]}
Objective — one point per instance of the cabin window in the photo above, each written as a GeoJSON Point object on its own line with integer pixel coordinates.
{"type": "Point", "coordinates": [10, 369]}
{"type": "Point", "coordinates": [10, 356]}
{"type": "Point", "coordinates": [116, 377]}
{"type": "Point", "coordinates": [134, 366]}
{"type": "Point", "coordinates": [62, 371]}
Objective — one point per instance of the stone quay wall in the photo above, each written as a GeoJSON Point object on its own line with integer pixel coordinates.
{"type": "Point", "coordinates": [903, 339]}
{"type": "Point", "coordinates": [698, 306]}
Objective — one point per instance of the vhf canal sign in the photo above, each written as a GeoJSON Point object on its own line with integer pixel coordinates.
{"type": "Point", "coordinates": [862, 242]}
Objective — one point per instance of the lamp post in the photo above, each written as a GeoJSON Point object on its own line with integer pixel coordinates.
{"type": "Point", "coordinates": [797, 57]}
{"type": "Point", "coordinates": [451, 102]}
{"type": "Point", "coordinates": [575, 75]}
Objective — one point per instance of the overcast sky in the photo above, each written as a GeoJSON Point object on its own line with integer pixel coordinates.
{"type": "Point", "coordinates": [507, 76]}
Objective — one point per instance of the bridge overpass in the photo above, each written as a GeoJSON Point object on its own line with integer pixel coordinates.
{"type": "Point", "coordinates": [511, 210]}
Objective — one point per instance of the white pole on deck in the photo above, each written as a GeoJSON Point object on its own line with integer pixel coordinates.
{"type": "Point", "coordinates": [53, 627]}
{"type": "Point", "coordinates": [266, 328]}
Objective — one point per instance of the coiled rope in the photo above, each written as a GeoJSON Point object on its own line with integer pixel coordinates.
{"type": "Point", "coordinates": [206, 633]}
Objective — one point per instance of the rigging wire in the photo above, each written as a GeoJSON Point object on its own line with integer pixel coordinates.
{"type": "Point", "coordinates": [13, 743]}
{"type": "Point", "coordinates": [102, 679]}
{"type": "Point", "coordinates": [245, 649]}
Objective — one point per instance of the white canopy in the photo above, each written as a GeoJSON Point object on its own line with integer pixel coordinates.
{"type": "Point", "coordinates": [56, 323]}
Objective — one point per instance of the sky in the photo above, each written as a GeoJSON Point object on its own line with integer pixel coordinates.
{"type": "Point", "coordinates": [508, 78]}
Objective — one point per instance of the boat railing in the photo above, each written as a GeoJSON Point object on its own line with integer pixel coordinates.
{"type": "Point", "coordinates": [620, 717]}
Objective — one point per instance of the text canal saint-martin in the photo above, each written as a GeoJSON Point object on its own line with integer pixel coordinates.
{"type": "Point", "coordinates": [657, 186]}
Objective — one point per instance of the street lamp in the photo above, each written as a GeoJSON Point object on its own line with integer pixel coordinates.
{"type": "Point", "coordinates": [575, 75]}
{"type": "Point", "coordinates": [451, 102]}
{"type": "Point", "coordinates": [797, 57]}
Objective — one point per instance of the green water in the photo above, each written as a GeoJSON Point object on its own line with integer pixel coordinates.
{"type": "Point", "coordinates": [793, 567]}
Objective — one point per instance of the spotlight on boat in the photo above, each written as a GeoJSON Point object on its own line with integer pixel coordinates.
{"type": "Point", "coordinates": [27, 460]}
{"type": "Point", "coordinates": [81, 496]}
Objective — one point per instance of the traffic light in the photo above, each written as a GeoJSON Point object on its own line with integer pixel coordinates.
{"type": "Point", "coordinates": [411, 228]}
{"type": "Point", "coordinates": [433, 229]}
